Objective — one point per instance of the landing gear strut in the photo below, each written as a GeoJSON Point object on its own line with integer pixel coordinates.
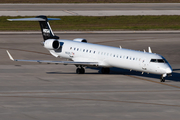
{"type": "Point", "coordinates": [162, 79]}
{"type": "Point", "coordinates": [80, 70]}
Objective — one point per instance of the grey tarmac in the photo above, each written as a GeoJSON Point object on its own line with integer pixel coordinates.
{"type": "Point", "coordinates": [88, 6]}
{"type": "Point", "coordinates": [47, 91]}
{"type": "Point", "coordinates": [101, 9]}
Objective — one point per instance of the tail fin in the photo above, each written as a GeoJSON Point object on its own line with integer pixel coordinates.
{"type": "Point", "coordinates": [46, 30]}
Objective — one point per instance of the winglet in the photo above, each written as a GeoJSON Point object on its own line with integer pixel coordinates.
{"type": "Point", "coordinates": [9, 55]}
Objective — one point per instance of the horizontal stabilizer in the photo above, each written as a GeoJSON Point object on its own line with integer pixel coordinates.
{"type": "Point", "coordinates": [46, 30]}
{"type": "Point", "coordinates": [33, 19]}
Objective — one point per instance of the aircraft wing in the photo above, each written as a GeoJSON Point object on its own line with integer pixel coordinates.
{"type": "Point", "coordinates": [55, 62]}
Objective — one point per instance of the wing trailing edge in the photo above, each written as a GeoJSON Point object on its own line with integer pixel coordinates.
{"type": "Point", "coordinates": [55, 62]}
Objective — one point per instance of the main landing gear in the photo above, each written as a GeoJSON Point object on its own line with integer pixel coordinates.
{"type": "Point", "coordinates": [80, 70]}
{"type": "Point", "coordinates": [105, 70]}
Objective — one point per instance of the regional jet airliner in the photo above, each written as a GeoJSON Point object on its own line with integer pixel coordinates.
{"type": "Point", "coordinates": [83, 54]}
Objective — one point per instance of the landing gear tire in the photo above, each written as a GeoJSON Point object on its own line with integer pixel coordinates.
{"type": "Point", "coordinates": [162, 79]}
{"type": "Point", "coordinates": [80, 70]}
{"type": "Point", "coordinates": [105, 70]}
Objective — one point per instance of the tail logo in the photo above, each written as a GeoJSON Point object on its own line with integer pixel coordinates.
{"type": "Point", "coordinates": [46, 31]}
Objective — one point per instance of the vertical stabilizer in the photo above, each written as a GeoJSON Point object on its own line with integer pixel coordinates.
{"type": "Point", "coordinates": [46, 30]}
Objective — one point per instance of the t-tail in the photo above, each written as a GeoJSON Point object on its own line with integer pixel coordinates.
{"type": "Point", "coordinates": [46, 30]}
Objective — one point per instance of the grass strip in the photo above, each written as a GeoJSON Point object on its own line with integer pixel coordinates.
{"type": "Point", "coordinates": [86, 23]}
{"type": "Point", "coordinates": [89, 1]}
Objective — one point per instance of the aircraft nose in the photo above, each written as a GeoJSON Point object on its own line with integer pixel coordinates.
{"type": "Point", "coordinates": [168, 70]}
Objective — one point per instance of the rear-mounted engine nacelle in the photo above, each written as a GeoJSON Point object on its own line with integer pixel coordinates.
{"type": "Point", "coordinates": [52, 44]}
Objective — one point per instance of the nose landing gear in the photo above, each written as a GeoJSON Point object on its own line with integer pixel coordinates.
{"type": "Point", "coordinates": [162, 79]}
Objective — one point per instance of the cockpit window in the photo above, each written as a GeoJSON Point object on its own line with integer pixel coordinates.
{"type": "Point", "coordinates": [161, 61]}
{"type": "Point", "coordinates": [153, 60]}
{"type": "Point", "coordinates": [158, 60]}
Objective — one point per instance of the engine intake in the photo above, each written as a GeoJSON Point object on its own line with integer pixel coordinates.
{"type": "Point", "coordinates": [52, 44]}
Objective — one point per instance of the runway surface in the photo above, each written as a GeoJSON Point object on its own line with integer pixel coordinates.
{"type": "Point", "coordinates": [40, 91]}
{"type": "Point", "coordinates": [90, 6]}
{"type": "Point", "coordinates": [101, 9]}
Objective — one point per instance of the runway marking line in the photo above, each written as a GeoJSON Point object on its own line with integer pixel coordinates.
{"type": "Point", "coordinates": [70, 12]}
